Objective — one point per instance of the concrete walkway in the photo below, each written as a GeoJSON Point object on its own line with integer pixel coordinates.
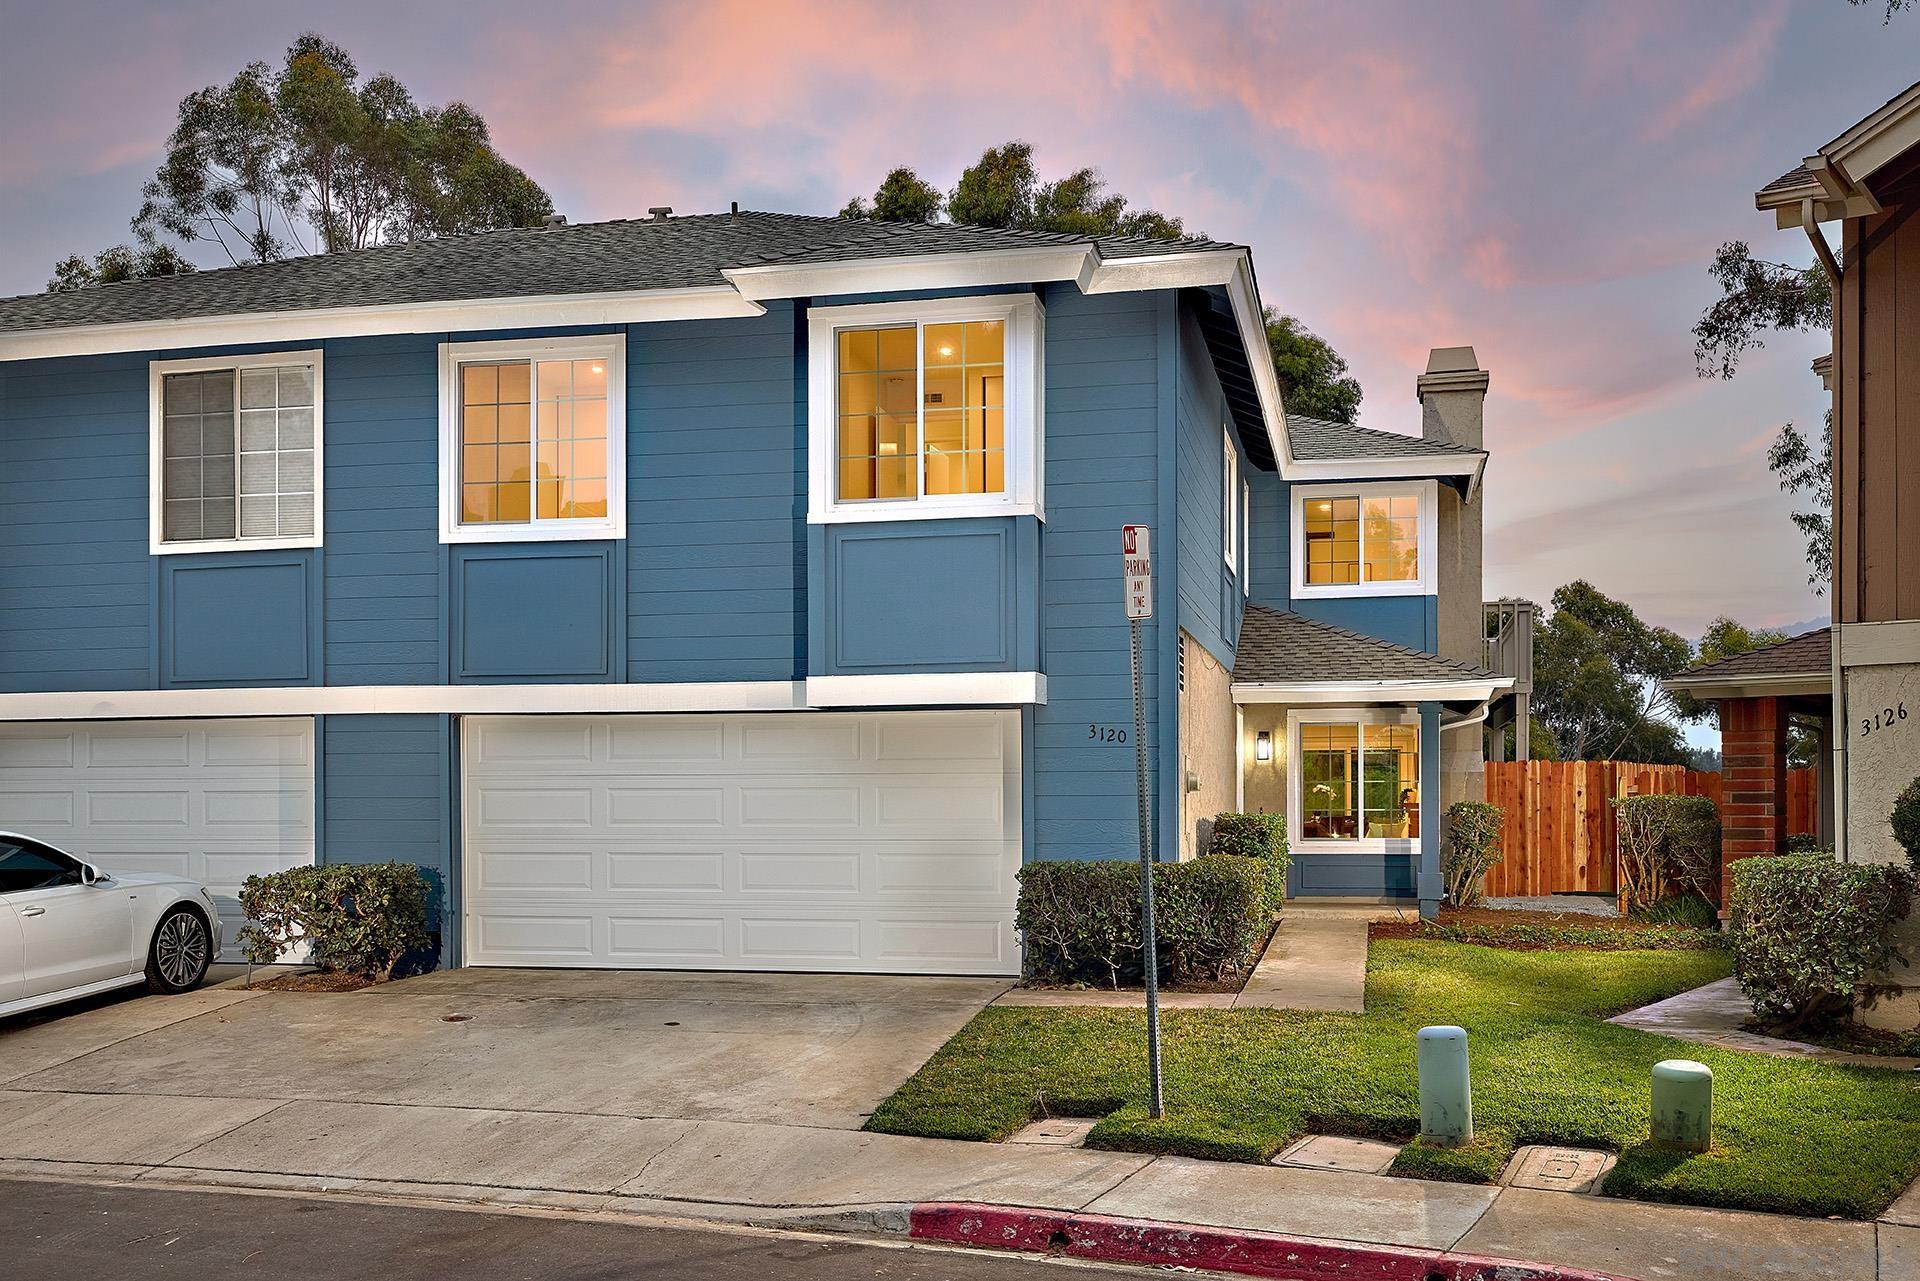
{"type": "Point", "coordinates": [1316, 960]}
{"type": "Point", "coordinates": [1712, 1015]}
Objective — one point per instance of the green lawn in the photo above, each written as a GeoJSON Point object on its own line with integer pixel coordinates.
{"type": "Point", "coordinates": [1796, 1137]}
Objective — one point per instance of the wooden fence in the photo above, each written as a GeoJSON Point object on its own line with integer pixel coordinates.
{"type": "Point", "coordinates": [1559, 833]}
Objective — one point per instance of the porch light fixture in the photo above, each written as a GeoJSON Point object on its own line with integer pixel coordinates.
{"type": "Point", "coordinates": [1263, 745]}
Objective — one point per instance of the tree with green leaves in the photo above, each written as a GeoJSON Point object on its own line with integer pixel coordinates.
{"type": "Point", "coordinates": [1003, 189]}
{"type": "Point", "coordinates": [1757, 297]}
{"type": "Point", "coordinates": [309, 158]}
{"type": "Point", "coordinates": [111, 266]}
{"type": "Point", "coordinates": [1313, 376]}
{"type": "Point", "coordinates": [1597, 669]}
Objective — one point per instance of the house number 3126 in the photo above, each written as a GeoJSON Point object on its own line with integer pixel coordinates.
{"type": "Point", "coordinates": [1883, 718]}
{"type": "Point", "coordinates": [1106, 734]}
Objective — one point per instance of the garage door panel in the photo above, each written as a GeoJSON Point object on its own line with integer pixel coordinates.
{"type": "Point", "coordinates": [559, 743]}
{"type": "Point", "coordinates": [536, 807]}
{"type": "Point", "coordinates": [800, 847]}
{"type": "Point", "coordinates": [533, 939]}
{"type": "Point", "coordinates": [217, 801]}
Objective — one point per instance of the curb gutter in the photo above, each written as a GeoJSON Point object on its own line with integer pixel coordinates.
{"type": "Point", "coordinates": [1257, 1254]}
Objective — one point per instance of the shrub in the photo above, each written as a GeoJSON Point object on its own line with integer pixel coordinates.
{"type": "Point", "coordinates": [1261, 836]}
{"type": "Point", "coordinates": [359, 918]}
{"type": "Point", "coordinates": [1080, 921]}
{"type": "Point", "coordinates": [1473, 846]}
{"type": "Point", "coordinates": [1812, 936]}
{"type": "Point", "coordinates": [1667, 843]}
{"type": "Point", "coordinates": [1906, 823]}
{"type": "Point", "coordinates": [1689, 910]}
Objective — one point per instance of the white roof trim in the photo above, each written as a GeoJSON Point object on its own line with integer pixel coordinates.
{"type": "Point", "coordinates": [927, 689]}
{"type": "Point", "coordinates": [1013, 266]}
{"type": "Point", "coordinates": [1840, 170]}
{"type": "Point", "coordinates": [370, 700]}
{"type": "Point", "coordinates": [1466, 689]}
{"type": "Point", "coordinates": [634, 306]}
{"type": "Point", "coordinates": [1421, 466]}
{"type": "Point", "coordinates": [1772, 684]}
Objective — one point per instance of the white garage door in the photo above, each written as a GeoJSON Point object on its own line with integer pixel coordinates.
{"type": "Point", "coordinates": [214, 800]}
{"type": "Point", "coordinates": [881, 842]}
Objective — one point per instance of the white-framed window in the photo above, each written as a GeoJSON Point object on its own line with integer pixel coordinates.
{"type": "Point", "coordinates": [1354, 781]}
{"type": "Point", "coordinates": [533, 439]}
{"type": "Point", "coordinates": [1374, 539]}
{"type": "Point", "coordinates": [1229, 498]}
{"type": "Point", "coordinates": [235, 452]}
{"type": "Point", "coordinates": [925, 409]}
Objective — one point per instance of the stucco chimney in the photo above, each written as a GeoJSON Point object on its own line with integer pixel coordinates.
{"type": "Point", "coordinates": [1453, 395]}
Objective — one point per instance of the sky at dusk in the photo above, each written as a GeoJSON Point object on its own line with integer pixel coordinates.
{"type": "Point", "coordinates": [1545, 182]}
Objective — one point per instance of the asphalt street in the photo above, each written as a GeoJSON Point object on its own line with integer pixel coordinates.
{"type": "Point", "coordinates": [51, 1231]}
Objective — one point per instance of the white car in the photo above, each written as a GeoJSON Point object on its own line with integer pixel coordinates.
{"type": "Point", "coordinates": [69, 929]}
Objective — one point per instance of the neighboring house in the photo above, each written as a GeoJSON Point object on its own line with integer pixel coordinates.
{"type": "Point", "coordinates": [1868, 181]}
{"type": "Point", "coordinates": [732, 591]}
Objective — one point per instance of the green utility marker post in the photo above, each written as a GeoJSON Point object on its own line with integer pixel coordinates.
{"type": "Point", "coordinates": [1683, 1105]}
{"type": "Point", "coordinates": [1446, 1087]}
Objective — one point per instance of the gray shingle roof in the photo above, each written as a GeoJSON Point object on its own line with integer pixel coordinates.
{"type": "Point", "coordinates": [1320, 440]}
{"type": "Point", "coordinates": [1277, 647]}
{"type": "Point", "coordinates": [1809, 654]}
{"type": "Point", "coordinates": [675, 253]}
{"type": "Point", "coordinates": [1798, 176]}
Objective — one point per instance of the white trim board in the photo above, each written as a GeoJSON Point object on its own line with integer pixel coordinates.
{"type": "Point", "coordinates": [1427, 551]}
{"type": "Point", "coordinates": [627, 307]}
{"type": "Point", "coordinates": [1319, 693]}
{"type": "Point", "coordinates": [928, 689]}
{"type": "Point", "coordinates": [914, 689]}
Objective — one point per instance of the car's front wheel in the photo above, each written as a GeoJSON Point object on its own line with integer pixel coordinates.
{"type": "Point", "coordinates": [181, 952]}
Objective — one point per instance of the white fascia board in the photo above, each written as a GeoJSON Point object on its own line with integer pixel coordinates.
{"type": "Point", "coordinates": [1420, 468]}
{"type": "Point", "coordinates": [1251, 317]}
{"type": "Point", "coordinates": [1192, 269]}
{"type": "Point", "coordinates": [440, 700]}
{"type": "Point", "coordinates": [1339, 693]}
{"type": "Point", "coordinates": [928, 689]}
{"type": "Point", "coordinates": [1785, 685]}
{"type": "Point", "coordinates": [1893, 642]}
{"type": "Point", "coordinates": [1884, 135]}
{"type": "Point", "coordinates": [638, 306]}
{"type": "Point", "coordinates": [905, 273]}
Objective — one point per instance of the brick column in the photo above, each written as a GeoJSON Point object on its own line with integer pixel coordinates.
{"type": "Point", "coordinates": [1753, 793]}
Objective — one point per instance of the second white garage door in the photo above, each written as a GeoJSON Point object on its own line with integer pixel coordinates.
{"type": "Point", "coordinates": [878, 842]}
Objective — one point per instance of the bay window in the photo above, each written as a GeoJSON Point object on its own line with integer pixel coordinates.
{"type": "Point", "coordinates": [236, 452]}
{"type": "Point", "coordinates": [532, 439]}
{"type": "Point", "coordinates": [923, 409]}
{"type": "Point", "coordinates": [1364, 540]}
{"type": "Point", "coordinates": [1358, 778]}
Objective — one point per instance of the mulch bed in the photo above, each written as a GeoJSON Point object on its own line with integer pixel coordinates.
{"type": "Point", "coordinates": [1854, 1038]}
{"type": "Point", "coordinates": [1534, 931]}
{"type": "Point", "coordinates": [315, 981]}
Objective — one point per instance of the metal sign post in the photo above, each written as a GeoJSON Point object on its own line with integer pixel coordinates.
{"type": "Point", "coordinates": [1135, 547]}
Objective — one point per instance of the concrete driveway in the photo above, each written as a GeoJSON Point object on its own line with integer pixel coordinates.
{"type": "Point", "coordinates": [813, 1050]}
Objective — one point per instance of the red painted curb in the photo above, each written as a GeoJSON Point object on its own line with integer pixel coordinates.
{"type": "Point", "coordinates": [1257, 1254]}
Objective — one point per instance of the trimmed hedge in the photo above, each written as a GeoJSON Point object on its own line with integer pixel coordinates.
{"type": "Point", "coordinates": [1262, 836]}
{"type": "Point", "coordinates": [1906, 823]}
{"type": "Point", "coordinates": [1813, 937]}
{"type": "Point", "coordinates": [359, 918]}
{"type": "Point", "coordinates": [1473, 846]}
{"type": "Point", "coordinates": [1080, 920]}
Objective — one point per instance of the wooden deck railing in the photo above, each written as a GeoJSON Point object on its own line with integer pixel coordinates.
{"type": "Point", "coordinates": [1559, 833]}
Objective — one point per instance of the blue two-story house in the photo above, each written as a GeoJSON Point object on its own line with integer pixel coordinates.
{"type": "Point", "coordinates": [731, 591]}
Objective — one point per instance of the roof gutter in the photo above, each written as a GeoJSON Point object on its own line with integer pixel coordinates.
{"type": "Point", "coordinates": [1466, 689]}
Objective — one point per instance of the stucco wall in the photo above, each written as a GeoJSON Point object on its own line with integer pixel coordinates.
{"type": "Point", "coordinates": [1458, 580]}
{"type": "Point", "coordinates": [1206, 745]}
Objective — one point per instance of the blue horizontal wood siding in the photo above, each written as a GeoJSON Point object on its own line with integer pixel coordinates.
{"type": "Point", "coordinates": [385, 568]}
{"type": "Point", "coordinates": [1210, 598]}
{"type": "Point", "coordinates": [1104, 366]}
{"type": "Point", "coordinates": [716, 499]}
{"type": "Point", "coordinates": [387, 786]}
{"type": "Point", "coordinates": [77, 584]}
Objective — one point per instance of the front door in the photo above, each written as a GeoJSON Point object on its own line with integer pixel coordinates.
{"type": "Point", "coordinates": [72, 933]}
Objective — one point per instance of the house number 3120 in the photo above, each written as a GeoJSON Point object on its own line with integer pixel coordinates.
{"type": "Point", "coordinates": [1106, 734]}
{"type": "Point", "coordinates": [1882, 719]}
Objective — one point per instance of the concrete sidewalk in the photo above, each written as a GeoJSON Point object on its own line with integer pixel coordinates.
{"type": "Point", "coordinates": [797, 1176]}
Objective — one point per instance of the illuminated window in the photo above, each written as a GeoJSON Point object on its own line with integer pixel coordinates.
{"type": "Point", "coordinates": [535, 432]}
{"type": "Point", "coordinates": [1363, 540]}
{"type": "Point", "coordinates": [932, 408]}
{"type": "Point", "coordinates": [1358, 780]}
{"type": "Point", "coordinates": [236, 457]}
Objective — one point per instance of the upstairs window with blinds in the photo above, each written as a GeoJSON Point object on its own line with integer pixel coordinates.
{"type": "Point", "coordinates": [238, 453]}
